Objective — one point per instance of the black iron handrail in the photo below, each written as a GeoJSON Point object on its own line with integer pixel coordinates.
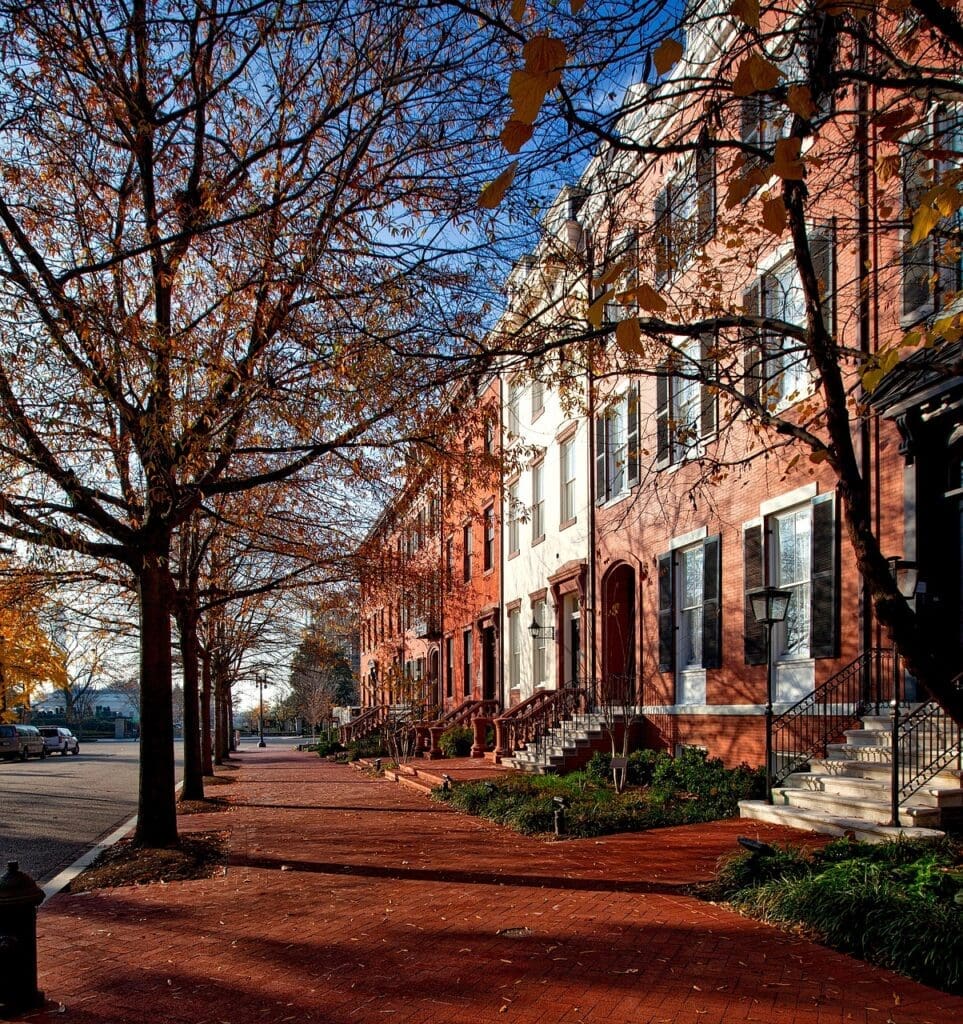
{"type": "Point", "coordinates": [805, 730]}
{"type": "Point", "coordinates": [529, 721]}
{"type": "Point", "coordinates": [365, 724]}
{"type": "Point", "coordinates": [927, 741]}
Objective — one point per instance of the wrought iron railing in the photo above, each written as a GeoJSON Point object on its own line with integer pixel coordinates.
{"type": "Point", "coordinates": [366, 723]}
{"type": "Point", "coordinates": [467, 712]}
{"type": "Point", "coordinates": [805, 730]}
{"type": "Point", "coordinates": [540, 722]}
{"type": "Point", "coordinates": [927, 741]}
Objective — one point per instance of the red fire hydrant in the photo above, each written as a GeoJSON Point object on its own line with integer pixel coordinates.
{"type": "Point", "coordinates": [19, 898]}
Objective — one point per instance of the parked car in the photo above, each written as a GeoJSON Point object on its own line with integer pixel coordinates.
{"type": "Point", "coordinates": [56, 737]}
{"type": "Point", "coordinates": [21, 741]}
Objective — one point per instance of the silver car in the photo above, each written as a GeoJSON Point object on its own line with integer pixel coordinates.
{"type": "Point", "coordinates": [56, 737]}
{"type": "Point", "coordinates": [21, 741]}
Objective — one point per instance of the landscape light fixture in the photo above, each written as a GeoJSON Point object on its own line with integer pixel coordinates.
{"type": "Point", "coordinates": [769, 606]}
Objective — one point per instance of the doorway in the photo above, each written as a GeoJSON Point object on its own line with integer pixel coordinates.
{"type": "Point", "coordinates": [489, 663]}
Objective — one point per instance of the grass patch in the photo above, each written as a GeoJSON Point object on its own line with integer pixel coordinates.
{"type": "Point", "coordinates": [898, 905]}
{"type": "Point", "coordinates": [197, 855]}
{"type": "Point", "coordinates": [683, 790]}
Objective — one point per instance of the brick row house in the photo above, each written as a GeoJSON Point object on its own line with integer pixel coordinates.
{"type": "Point", "coordinates": [648, 486]}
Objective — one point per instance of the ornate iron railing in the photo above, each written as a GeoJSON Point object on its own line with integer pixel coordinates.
{"type": "Point", "coordinates": [467, 712]}
{"type": "Point", "coordinates": [925, 742]}
{"type": "Point", "coordinates": [537, 721]}
{"type": "Point", "coordinates": [366, 723]}
{"type": "Point", "coordinates": [804, 731]}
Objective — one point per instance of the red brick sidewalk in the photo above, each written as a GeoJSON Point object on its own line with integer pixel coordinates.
{"type": "Point", "coordinates": [351, 899]}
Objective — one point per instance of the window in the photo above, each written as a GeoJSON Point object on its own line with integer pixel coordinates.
{"type": "Point", "coordinates": [449, 666]}
{"type": "Point", "coordinates": [617, 447]}
{"type": "Point", "coordinates": [449, 562]}
{"type": "Point", "coordinates": [620, 273]}
{"type": "Point", "coordinates": [540, 665]}
{"type": "Point", "coordinates": [686, 404]}
{"type": "Point", "coordinates": [515, 648]}
{"type": "Point", "coordinates": [934, 265]}
{"type": "Point", "coordinates": [488, 551]}
{"type": "Point", "coordinates": [466, 543]}
{"type": "Point", "coordinates": [684, 214]}
{"type": "Point", "coordinates": [777, 366]}
{"type": "Point", "coordinates": [538, 501]}
{"type": "Point", "coordinates": [513, 406]}
{"type": "Point", "coordinates": [514, 508]}
{"type": "Point", "coordinates": [795, 549]}
{"type": "Point", "coordinates": [489, 437]}
{"type": "Point", "coordinates": [466, 645]}
{"type": "Point", "coordinates": [538, 398]}
{"type": "Point", "coordinates": [760, 116]}
{"type": "Point", "coordinates": [566, 461]}
{"type": "Point", "coordinates": [690, 632]}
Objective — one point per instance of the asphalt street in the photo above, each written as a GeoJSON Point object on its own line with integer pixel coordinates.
{"type": "Point", "coordinates": [52, 811]}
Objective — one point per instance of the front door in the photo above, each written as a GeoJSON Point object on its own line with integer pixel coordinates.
{"type": "Point", "coordinates": [488, 663]}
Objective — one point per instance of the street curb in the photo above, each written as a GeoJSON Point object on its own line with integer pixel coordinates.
{"type": "Point", "coordinates": [63, 878]}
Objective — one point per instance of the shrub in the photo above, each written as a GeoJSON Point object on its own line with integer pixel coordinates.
{"type": "Point", "coordinates": [325, 748]}
{"type": "Point", "coordinates": [886, 903]}
{"type": "Point", "coordinates": [457, 742]}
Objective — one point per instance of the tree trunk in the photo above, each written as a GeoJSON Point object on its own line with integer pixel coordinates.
{"type": "Point", "coordinates": [193, 761]}
{"type": "Point", "coordinates": [207, 753]}
{"type": "Point", "coordinates": [156, 808]}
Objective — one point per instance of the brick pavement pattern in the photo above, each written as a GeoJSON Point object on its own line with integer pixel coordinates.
{"type": "Point", "coordinates": [352, 899]}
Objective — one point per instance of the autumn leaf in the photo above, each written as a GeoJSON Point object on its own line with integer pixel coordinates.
{"type": "Point", "coordinates": [543, 53]}
{"type": "Point", "coordinates": [887, 167]}
{"type": "Point", "coordinates": [494, 192]}
{"type": "Point", "coordinates": [628, 335]}
{"type": "Point", "coordinates": [528, 91]}
{"type": "Point", "coordinates": [924, 220]}
{"type": "Point", "coordinates": [666, 55]}
{"type": "Point", "coordinates": [648, 298]}
{"type": "Point", "coordinates": [739, 189]}
{"type": "Point", "coordinates": [518, 10]}
{"type": "Point", "coordinates": [514, 135]}
{"type": "Point", "coordinates": [576, 6]}
{"type": "Point", "coordinates": [597, 309]}
{"type": "Point", "coordinates": [613, 272]}
{"type": "Point", "coordinates": [774, 217]}
{"type": "Point", "coordinates": [755, 74]}
{"type": "Point", "coordinates": [747, 11]}
{"type": "Point", "coordinates": [787, 164]}
{"type": "Point", "coordinates": [799, 99]}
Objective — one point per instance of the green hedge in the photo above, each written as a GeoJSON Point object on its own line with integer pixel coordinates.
{"type": "Point", "coordinates": [692, 788]}
{"type": "Point", "coordinates": [898, 905]}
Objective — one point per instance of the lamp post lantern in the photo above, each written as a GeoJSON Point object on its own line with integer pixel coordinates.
{"type": "Point", "coordinates": [537, 632]}
{"type": "Point", "coordinates": [769, 606]}
{"type": "Point", "coordinates": [261, 681]}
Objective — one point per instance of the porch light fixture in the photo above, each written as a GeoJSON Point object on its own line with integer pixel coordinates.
{"type": "Point", "coordinates": [769, 606]}
{"type": "Point", "coordinates": [906, 573]}
{"type": "Point", "coordinates": [537, 632]}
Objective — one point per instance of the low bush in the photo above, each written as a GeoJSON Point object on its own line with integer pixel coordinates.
{"type": "Point", "coordinates": [898, 905]}
{"type": "Point", "coordinates": [325, 748]}
{"type": "Point", "coordinates": [524, 802]}
{"type": "Point", "coordinates": [456, 742]}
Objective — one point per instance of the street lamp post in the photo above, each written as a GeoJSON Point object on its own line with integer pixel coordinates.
{"type": "Point", "coordinates": [261, 681]}
{"type": "Point", "coordinates": [769, 606]}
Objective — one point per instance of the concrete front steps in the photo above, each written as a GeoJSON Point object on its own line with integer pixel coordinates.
{"type": "Point", "coordinates": [412, 775]}
{"type": "Point", "coordinates": [848, 793]}
{"type": "Point", "coordinates": [565, 748]}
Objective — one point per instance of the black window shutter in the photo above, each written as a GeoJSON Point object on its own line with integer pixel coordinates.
{"type": "Point", "coordinates": [755, 576]}
{"type": "Point", "coordinates": [824, 591]}
{"type": "Point", "coordinates": [709, 419]}
{"type": "Point", "coordinates": [823, 248]}
{"type": "Point", "coordinates": [601, 483]}
{"type": "Point", "coordinates": [662, 448]}
{"type": "Point", "coordinates": [712, 602]}
{"type": "Point", "coordinates": [754, 357]}
{"type": "Point", "coordinates": [666, 615]}
{"type": "Point", "coordinates": [632, 440]}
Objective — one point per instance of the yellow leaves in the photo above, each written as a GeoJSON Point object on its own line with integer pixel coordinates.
{"type": "Point", "coordinates": [628, 336]}
{"type": "Point", "coordinates": [887, 167]}
{"type": "Point", "coordinates": [787, 164]}
{"type": "Point", "coordinates": [881, 364]}
{"type": "Point", "coordinates": [948, 328]}
{"type": "Point", "coordinates": [647, 297]}
{"type": "Point", "coordinates": [799, 99]}
{"type": "Point", "coordinates": [941, 201]}
{"type": "Point", "coordinates": [514, 135]}
{"type": "Point", "coordinates": [774, 216]}
{"type": "Point", "coordinates": [666, 55]}
{"type": "Point", "coordinates": [597, 310]}
{"type": "Point", "coordinates": [742, 187]}
{"type": "Point", "coordinates": [518, 10]}
{"type": "Point", "coordinates": [613, 272]}
{"type": "Point", "coordinates": [494, 192]}
{"type": "Point", "coordinates": [755, 74]}
{"type": "Point", "coordinates": [747, 11]}
{"type": "Point", "coordinates": [544, 54]}
{"type": "Point", "coordinates": [528, 91]}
